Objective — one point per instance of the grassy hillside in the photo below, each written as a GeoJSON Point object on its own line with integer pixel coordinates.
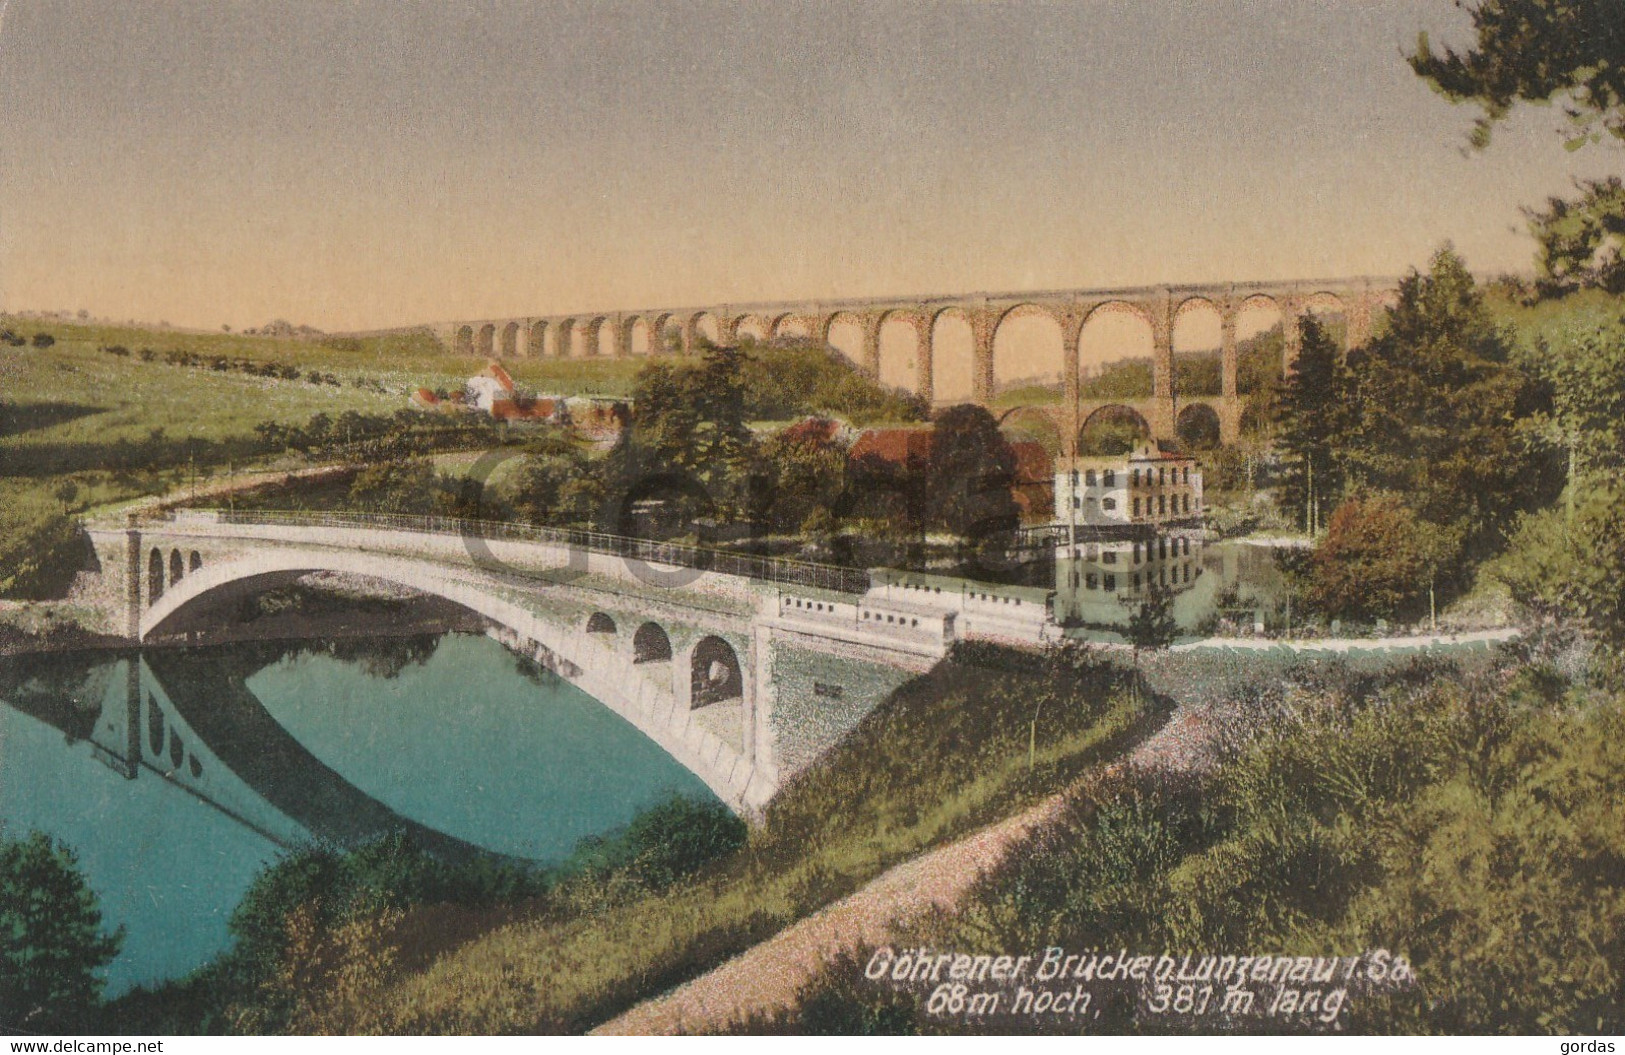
{"type": "Point", "coordinates": [1466, 821]}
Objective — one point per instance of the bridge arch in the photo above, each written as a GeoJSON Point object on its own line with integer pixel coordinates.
{"type": "Point", "coordinates": [638, 335]}
{"type": "Point", "coordinates": [791, 325]}
{"type": "Point", "coordinates": [155, 575]}
{"type": "Point", "coordinates": [755, 327]}
{"type": "Point", "coordinates": [177, 566]}
{"type": "Point", "coordinates": [1116, 334]}
{"type": "Point", "coordinates": [536, 341]}
{"type": "Point", "coordinates": [510, 340]}
{"type": "Point", "coordinates": [651, 644]}
{"type": "Point", "coordinates": [1260, 335]}
{"type": "Point", "coordinates": [1028, 348]}
{"type": "Point", "coordinates": [641, 695]}
{"type": "Point", "coordinates": [194, 562]}
{"type": "Point", "coordinates": [485, 340]}
{"type": "Point", "coordinates": [601, 623]}
{"type": "Point", "coordinates": [715, 675]}
{"type": "Point", "coordinates": [845, 335]}
{"type": "Point", "coordinates": [1114, 428]}
{"type": "Point", "coordinates": [463, 341]}
{"type": "Point", "coordinates": [1197, 337]}
{"type": "Point", "coordinates": [564, 339]}
{"type": "Point", "coordinates": [1197, 427]}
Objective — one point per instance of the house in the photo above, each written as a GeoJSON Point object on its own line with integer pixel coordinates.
{"type": "Point", "coordinates": [1147, 487]}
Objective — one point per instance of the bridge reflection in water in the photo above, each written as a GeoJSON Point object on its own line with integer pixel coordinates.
{"type": "Point", "coordinates": [175, 775]}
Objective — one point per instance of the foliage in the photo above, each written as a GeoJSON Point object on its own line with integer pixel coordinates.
{"type": "Point", "coordinates": [1583, 369]}
{"type": "Point", "coordinates": [688, 445]}
{"type": "Point", "coordinates": [1467, 822]}
{"type": "Point", "coordinates": [810, 478]}
{"type": "Point", "coordinates": [1377, 561]}
{"type": "Point", "coordinates": [1535, 51]}
{"type": "Point", "coordinates": [1315, 406]}
{"type": "Point", "coordinates": [1582, 242]}
{"type": "Point", "coordinates": [1441, 415]}
{"type": "Point", "coordinates": [783, 381]}
{"type": "Point", "coordinates": [40, 555]}
{"type": "Point", "coordinates": [663, 845]}
{"type": "Point", "coordinates": [970, 471]}
{"type": "Point", "coordinates": [51, 941]}
{"type": "Point", "coordinates": [1569, 561]}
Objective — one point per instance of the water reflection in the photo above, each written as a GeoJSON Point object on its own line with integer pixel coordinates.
{"type": "Point", "coordinates": [1215, 587]}
{"type": "Point", "coordinates": [176, 774]}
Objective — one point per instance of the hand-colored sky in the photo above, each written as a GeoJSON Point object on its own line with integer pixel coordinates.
{"type": "Point", "coordinates": [374, 163]}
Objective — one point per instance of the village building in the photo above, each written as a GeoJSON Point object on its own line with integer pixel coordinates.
{"type": "Point", "coordinates": [1146, 488]}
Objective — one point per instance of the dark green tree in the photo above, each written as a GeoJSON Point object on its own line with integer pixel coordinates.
{"type": "Point", "coordinates": [1442, 417]}
{"type": "Point", "coordinates": [51, 939]}
{"type": "Point", "coordinates": [1571, 51]}
{"type": "Point", "coordinates": [1313, 427]}
{"type": "Point", "coordinates": [689, 442]}
{"type": "Point", "coordinates": [969, 475]}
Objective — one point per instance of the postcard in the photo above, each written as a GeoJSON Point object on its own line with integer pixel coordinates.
{"type": "Point", "coordinates": [1088, 518]}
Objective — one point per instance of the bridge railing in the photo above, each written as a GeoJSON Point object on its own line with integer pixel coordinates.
{"type": "Point", "coordinates": [674, 554]}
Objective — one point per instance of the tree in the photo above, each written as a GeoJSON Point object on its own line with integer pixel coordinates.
{"type": "Point", "coordinates": [969, 474]}
{"type": "Point", "coordinates": [1379, 560]}
{"type": "Point", "coordinates": [1442, 416]}
{"type": "Point", "coordinates": [1314, 423]}
{"type": "Point", "coordinates": [1151, 625]}
{"type": "Point", "coordinates": [1582, 242]}
{"type": "Point", "coordinates": [1536, 51]}
{"type": "Point", "coordinates": [51, 941]}
{"type": "Point", "coordinates": [689, 431]}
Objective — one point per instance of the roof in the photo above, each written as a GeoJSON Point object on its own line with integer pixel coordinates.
{"type": "Point", "coordinates": [897, 446]}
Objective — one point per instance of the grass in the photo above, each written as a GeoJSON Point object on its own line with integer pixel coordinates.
{"type": "Point", "coordinates": [1465, 820]}
{"type": "Point", "coordinates": [945, 754]}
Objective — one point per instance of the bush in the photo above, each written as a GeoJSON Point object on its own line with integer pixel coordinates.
{"type": "Point", "coordinates": [43, 340]}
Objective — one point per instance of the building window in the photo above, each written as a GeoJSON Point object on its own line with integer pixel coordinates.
{"type": "Point", "coordinates": [1109, 478]}
{"type": "Point", "coordinates": [1091, 580]}
{"type": "Point", "coordinates": [1109, 557]}
{"type": "Point", "coordinates": [1187, 474]}
{"type": "Point", "coordinates": [1162, 504]}
{"type": "Point", "coordinates": [1075, 503]}
{"type": "Point", "coordinates": [1134, 478]}
{"type": "Point", "coordinates": [1136, 507]}
{"type": "Point", "coordinates": [1136, 553]}
{"type": "Point", "coordinates": [1134, 581]}
{"type": "Point", "coordinates": [1108, 503]}
{"type": "Point", "coordinates": [1074, 477]}
{"type": "Point", "coordinates": [1111, 583]}
{"type": "Point", "coordinates": [1089, 477]}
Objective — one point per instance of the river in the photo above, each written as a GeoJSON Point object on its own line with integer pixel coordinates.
{"type": "Point", "coordinates": [175, 775]}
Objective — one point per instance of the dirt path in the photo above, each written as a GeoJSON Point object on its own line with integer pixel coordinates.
{"type": "Point", "coordinates": [767, 977]}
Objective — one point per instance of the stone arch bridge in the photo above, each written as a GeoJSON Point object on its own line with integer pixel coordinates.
{"type": "Point", "coordinates": [744, 673]}
{"type": "Point", "coordinates": [620, 334]}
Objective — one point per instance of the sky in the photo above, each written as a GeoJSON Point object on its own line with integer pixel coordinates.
{"type": "Point", "coordinates": [375, 163]}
